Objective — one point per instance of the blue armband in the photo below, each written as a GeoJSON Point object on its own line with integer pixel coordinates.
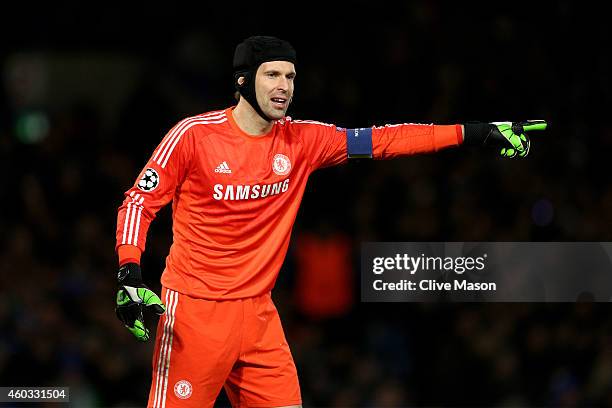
{"type": "Point", "coordinates": [359, 143]}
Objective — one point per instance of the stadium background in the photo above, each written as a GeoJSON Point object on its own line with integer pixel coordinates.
{"type": "Point", "coordinates": [87, 92]}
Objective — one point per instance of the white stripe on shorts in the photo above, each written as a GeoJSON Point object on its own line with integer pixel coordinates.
{"type": "Point", "coordinates": [163, 360]}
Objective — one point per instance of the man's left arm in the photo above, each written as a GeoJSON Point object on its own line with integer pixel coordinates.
{"type": "Point", "coordinates": [329, 145]}
{"type": "Point", "coordinates": [386, 142]}
{"type": "Point", "coordinates": [406, 139]}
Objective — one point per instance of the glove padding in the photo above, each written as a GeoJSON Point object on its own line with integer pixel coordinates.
{"type": "Point", "coordinates": [512, 135]}
{"type": "Point", "coordinates": [132, 295]}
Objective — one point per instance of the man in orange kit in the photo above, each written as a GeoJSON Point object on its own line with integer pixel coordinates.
{"type": "Point", "coordinates": [236, 178]}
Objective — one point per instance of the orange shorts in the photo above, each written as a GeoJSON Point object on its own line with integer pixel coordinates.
{"type": "Point", "coordinates": [203, 345]}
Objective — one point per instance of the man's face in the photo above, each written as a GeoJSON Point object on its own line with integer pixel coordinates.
{"type": "Point", "coordinates": [274, 87]}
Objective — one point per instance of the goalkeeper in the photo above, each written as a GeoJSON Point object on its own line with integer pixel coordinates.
{"type": "Point", "coordinates": [236, 178]}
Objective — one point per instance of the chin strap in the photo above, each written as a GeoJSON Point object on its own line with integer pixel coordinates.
{"type": "Point", "coordinates": [247, 91]}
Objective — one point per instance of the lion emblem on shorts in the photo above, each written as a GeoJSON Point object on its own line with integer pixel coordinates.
{"type": "Point", "coordinates": [183, 389]}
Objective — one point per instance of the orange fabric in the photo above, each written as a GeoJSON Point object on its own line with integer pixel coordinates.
{"type": "Point", "coordinates": [235, 197]}
{"type": "Point", "coordinates": [128, 253]}
{"type": "Point", "coordinates": [203, 345]}
{"type": "Point", "coordinates": [402, 140]}
{"type": "Point", "coordinates": [324, 284]}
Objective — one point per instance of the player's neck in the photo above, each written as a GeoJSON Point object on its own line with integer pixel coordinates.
{"type": "Point", "coordinates": [249, 121]}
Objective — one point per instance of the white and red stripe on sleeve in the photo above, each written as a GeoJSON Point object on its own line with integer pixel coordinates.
{"type": "Point", "coordinates": [169, 165]}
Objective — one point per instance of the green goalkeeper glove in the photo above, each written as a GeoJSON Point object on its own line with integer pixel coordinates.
{"type": "Point", "coordinates": [511, 135]}
{"type": "Point", "coordinates": [132, 295]}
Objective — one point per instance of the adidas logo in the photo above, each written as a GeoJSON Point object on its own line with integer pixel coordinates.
{"type": "Point", "coordinates": [223, 168]}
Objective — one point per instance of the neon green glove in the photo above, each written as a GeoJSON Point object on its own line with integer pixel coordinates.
{"type": "Point", "coordinates": [132, 295]}
{"type": "Point", "coordinates": [511, 135]}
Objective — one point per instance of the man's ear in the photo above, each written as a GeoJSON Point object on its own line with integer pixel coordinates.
{"type": "Point", "coordinates": [240, 79]}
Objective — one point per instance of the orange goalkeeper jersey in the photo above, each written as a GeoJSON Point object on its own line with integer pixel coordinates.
{"type": "Point", "coordinates": [235, 197]}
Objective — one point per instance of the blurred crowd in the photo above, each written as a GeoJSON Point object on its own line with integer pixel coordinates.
{"type": "Point", "coordinates": [80, 115]}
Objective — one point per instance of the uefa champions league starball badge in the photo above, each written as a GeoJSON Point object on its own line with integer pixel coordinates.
{"type": "Point", "coordinates": [281, 164]}
{"type": "Point", "coordinates": [149, 180]}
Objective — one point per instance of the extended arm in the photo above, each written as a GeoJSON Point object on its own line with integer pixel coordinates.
{"type": "Point", "coordinates": [329, 145]}
{"type": "Point", "coordinates": [407, 139]}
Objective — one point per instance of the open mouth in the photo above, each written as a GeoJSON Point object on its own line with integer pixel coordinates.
{"type": "Point", "coordinates": [279, 102]}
